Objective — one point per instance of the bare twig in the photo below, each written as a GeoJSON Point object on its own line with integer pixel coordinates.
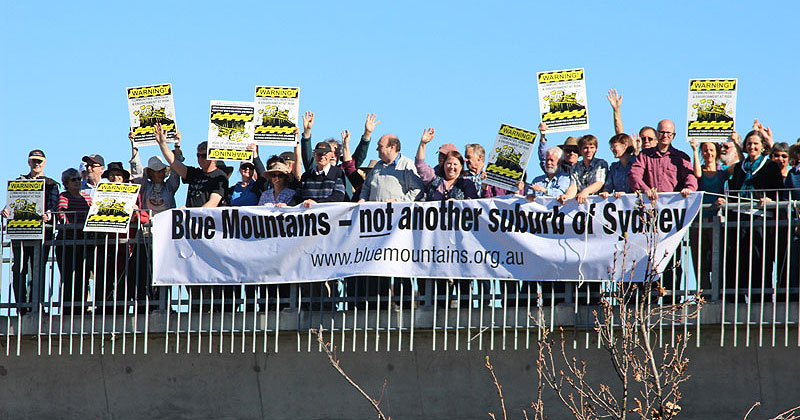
{"type": "Point", "coordinates": [330, 350]}
{"type": "Point", "coordinates": [755, 404]}
{"type": "Point", "coordinates": [499, 389]}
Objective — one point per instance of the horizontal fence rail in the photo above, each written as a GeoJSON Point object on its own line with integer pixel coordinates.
{"type": "Point", "coordinates": [78, 293]}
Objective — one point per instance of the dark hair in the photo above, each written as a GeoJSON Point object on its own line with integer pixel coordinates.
{"type": "Point", "coordinates": [647, 127]}
{"type": "Point", "coordinates": [754, 133]}
{"type": "Point", "coordinates": [274, 158]}
{"type": "Point", "coordinates": [794, 150]}
{"type": "Point", "coordinates": [456, 155]}
{"type": "Point", "coordinates": [68, 174]}
{"type": "Point", "coordinates": [203, 145]}
{"type": "Point", "coordinates": [394, 141]}
{"type": "Point", "coordinates": [780, 147]}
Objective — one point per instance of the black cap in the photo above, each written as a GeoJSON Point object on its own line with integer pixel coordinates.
{"type": "Point", "coordinates": [36, 154]}
{"type": "Point", "coordinates": [287, 156]}
{"type": "Point", "coordinates": [94, 160]}
{"type": "Point", "coordinates": [323, 147]}
{"type": "Point", "coordinates": [246, 163]}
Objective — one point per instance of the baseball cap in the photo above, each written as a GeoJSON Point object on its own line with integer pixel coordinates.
{"type": "Point", "coordinates": [287, 156]}
{"type": "Point", "coordinates": [36, 154]}
{"type": "Point", "coordinates": [447, 148]}
{"type": "Point", "coordinates": [322, 147]}
{"type": "Point", "coordinates": [94, 160]}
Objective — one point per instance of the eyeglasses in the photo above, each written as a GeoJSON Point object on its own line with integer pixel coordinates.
{"type": "Point", "coordinates": [646, 138]}
{"type": "Point", "coordinates": [201, 155]}
{"type": "Point", "coordinates": [571, 151]}
{"type": "Point", "coordinates": [666, 133]}
{"type": "Point", "coordinates": [35, 161]}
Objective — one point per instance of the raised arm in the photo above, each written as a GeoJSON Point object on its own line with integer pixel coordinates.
{"type": "Point", "coordinates": [136, 163]}
{"type": "Point", "coordinates": [305, 141]}
{"type": "Point", "coordinates": [424, 170]}
{"type": "Point", "coordinates": [346, 156]}
{"type": "Point", "coordinates": [542, 144]}
{"type": "Point", "coordinates": [616, 102]}
{"type": "Point", "coordinates": [363, 146]}
{"type": "Point", "coordinates": [698, 170]}
{"type": "Point", "coordinates": [297, 171]}
{"type": "Point", "coordinates": [175, 164]}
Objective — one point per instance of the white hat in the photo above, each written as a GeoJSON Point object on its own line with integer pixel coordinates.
{"type": "Point", "coordinates": [156, 164]}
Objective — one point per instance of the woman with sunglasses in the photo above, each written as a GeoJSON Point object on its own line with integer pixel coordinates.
{"type": "Point", "coordinates": [73, 205]}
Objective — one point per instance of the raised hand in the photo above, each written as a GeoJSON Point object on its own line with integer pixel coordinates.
{"type": "Point", "coordinates": [345, 138]}
{"type": "Point", "coordinates": [693, 143]}
{"type": "Point", "coordinates": [370, 123]}
{"type": "Point", "coordinates": [427, 136]}
{"type": "Point", "coordinates": [253, 148]}
{"type": "Point", "coordinates": [131, 136]}
{"type": "Point", "coordinates": [177, 138]}
{"type": "Point", "coordinates": [161, 133]}
{"type": "Point", "coordinates": [614, 99]}
{"type": "Point", "coordinates": [767, 134]}
{"type": "Point", "coordinates": [542, 128]}
{"type": "Point", "coordinates": [308, 123]}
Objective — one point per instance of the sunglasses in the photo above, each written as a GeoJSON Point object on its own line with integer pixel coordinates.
{"type": "Point", "coordinates": [571, 151]}
{"type": "Point", "coordinates": [201, 155]}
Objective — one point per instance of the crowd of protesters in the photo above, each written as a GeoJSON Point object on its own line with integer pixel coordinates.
{"type": "Point", "coordinates": [755, 170]}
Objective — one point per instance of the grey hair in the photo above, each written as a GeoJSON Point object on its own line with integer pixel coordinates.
{"type": "Point", "coordinates": [69, 174]}
{"type": "Point", "coordinates": [555, 150]}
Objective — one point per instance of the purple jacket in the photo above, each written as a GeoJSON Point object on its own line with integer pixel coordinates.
{"type": "Point", "coordinates": [667, 172]}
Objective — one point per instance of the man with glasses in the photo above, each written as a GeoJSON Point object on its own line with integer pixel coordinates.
{"type": "Point", "coordinates": [570, 149]}
{"type": "Point", "coordinates": [24, 251]}
{"type": "Point", "coordinates": [323, 182]}
{"type": "Point", "coordinates": [663, 168]}
{"type": "Point", "coordinates": [95, 166]}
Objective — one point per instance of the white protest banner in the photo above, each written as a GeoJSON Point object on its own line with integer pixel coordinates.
{"type": "Point", "coordinates": [508, 238]}
{"type": "Point", "coordinates": [562, 100]}
{"type": "Point", "coordinates": [711, 109]}
{"type": "Point", "coordinates": [277, 109]}
{"type": "Point", "coordinates": [509, 157]}
{"type": "Point", "coordinates": [25, 198]}
{"type": "Point", "coordinates": [230, 130]}
{"type": "Point", "coordinates": [148, 106]}
{"type": "Point", "coordinates": [112, 207]}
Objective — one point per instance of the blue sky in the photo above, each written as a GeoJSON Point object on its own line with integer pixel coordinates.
{"type": "Point", "coordinates": [461, 67]}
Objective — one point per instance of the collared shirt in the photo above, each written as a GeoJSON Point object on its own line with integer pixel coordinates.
{"type": "Point", "coordinates": [617, 179]}
{"type": "Point", "coordinates": [583, 176]}
{"type": "Point", "coordinates": [88, 188]}
{"type": "Point", "coordinates": [667, 172]}
{"type": "Point", "coordinates": [323, 171]}
{"type": "Point", "coordinates": [554, 186]}
{"type": "Point", "coordinates": [268, 197]}
{"type": "Point", "coordinates": [398, 180]}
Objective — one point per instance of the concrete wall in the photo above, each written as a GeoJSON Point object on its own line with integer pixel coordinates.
{"type": "Point", "coordinates": [422, 384]}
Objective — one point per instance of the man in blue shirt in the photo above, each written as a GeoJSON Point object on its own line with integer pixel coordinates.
{"type": "Point", "coordinates": [554, 181]}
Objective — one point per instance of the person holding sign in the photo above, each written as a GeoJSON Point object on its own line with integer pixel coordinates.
{"type": "Point", "coordinates": [587, 176]}
{"type": "Point", "coordinates": [159, 185]}
{"type": "Point", "coordinates": [207, 184]}
{"type": "Point", "coordinates": [73, 206]}
{"type": "Point", "coordinates": [24, 251]}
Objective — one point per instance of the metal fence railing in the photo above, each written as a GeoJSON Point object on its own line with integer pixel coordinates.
{"type": "Point", "coordinates": [79, 294]}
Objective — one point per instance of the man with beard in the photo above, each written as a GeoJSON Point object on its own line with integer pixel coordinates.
{"type": "Point", "coordinates": [570, 149]}
{"type": "Point", "coordinates": [730, 152]}
{"type": "Point", "coordinates": [554, 181]}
